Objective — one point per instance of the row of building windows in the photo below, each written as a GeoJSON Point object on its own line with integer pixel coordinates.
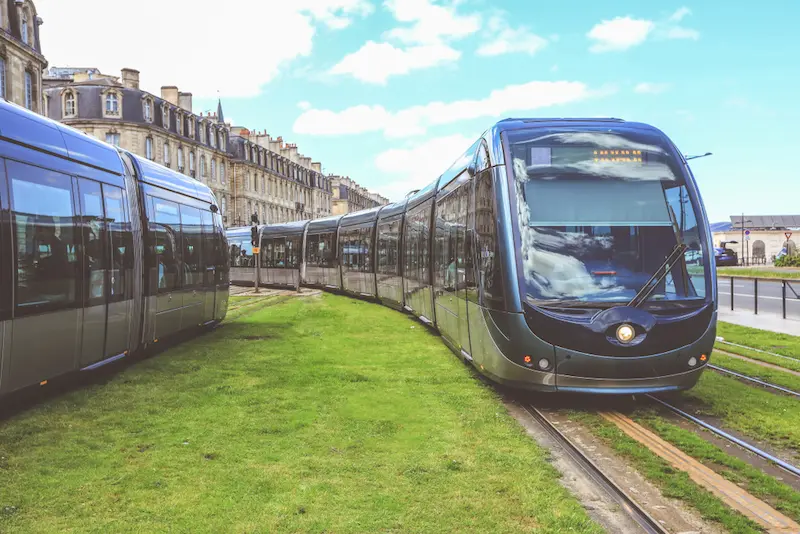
{"type": "Point", "coordinates": [282, 166]}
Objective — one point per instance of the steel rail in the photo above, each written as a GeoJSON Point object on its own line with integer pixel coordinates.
{"type": "Point", "coordinates": [722, 340]}
{"type": "Point", "coordinates": [786, 466]}
{"type": "Point", "coordinates": [631, 507]}
{"type": "Point", "coordinates": [755, 380]}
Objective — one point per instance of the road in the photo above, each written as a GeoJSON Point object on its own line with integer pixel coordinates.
{"type": "Point", "coordinates": [769, 296]}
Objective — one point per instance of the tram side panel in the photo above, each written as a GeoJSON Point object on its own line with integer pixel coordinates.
{"type": "Point", "coordinates": [389, 281]}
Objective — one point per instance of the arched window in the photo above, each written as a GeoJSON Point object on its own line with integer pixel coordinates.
{"type": "Point", "coordinates": [166, 154]}
{"type": "Point", "coordinates": [24, 28]}
{"type": "Point", "coordinates": [212, 137]}
{"type": "Point", "coordinates": [213, 169]}
{"type": "Point", "coordinates": [165, 116]}
{"type": "Point", "coordinates": [28, 90]}
{"type": "Point", "coordinates": [112, 104]}
{"type": "Point", "coordinates": [222, 172]}
{"type": "Point", "coordinates": [180, 159]}
{"type": "Point", "coordinates": [148, 148]}
{"type": "Point", "coordinates": [203, 166]}
{"type": "Point", "coordinates": [223, 141]}
{"type": "Point", "coordinates": [179, 122]}
{"type": "Point", "coordinates": [191, 163]}
{"type": "Point", "coordinates": [224, 207]}
{"type": "Point", "coordinates": [70, 108]}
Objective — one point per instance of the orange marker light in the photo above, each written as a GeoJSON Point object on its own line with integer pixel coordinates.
{"type": "Point", "coordinates": [43, 382]}
{"type": "Point", "coordinates": [527, 359]}
{"type": "Point", "coordinates": [703, 357]}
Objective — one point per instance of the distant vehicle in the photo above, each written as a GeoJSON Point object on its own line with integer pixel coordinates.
{"type": "Point", "coordinates": [725, 257]}
{"type": "Point", "coordinates": [104, 253]}
{"type": "Point", "coordinates": [553, 255]}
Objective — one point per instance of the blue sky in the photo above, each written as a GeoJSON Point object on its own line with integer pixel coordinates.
{"type": "Point", "coordinates": [390, 92]}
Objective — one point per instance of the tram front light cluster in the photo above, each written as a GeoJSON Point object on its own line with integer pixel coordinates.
{"type": "Point", "coordinates": [692, 361]}
{"type": "Point", "coordinates": [625, 333]}
{"type": "Point", "coordinates": [544, 364]}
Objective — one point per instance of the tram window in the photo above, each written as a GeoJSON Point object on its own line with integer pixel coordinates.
{"type": "Point", "coordinates": [168, 245]}
{"type": "Point", "coordinates": [312, 250]}
{"type": "Point", "coordinates": [294, 252]}
{"type": "Point", "coordinates": [121, 240]}
{"type": "Point", "coordinates": [210, 249]}
{"type": "Point", "coordinates": [6, 283]}
{"type": "Point", "coordinates": [47, 259]}
{"type": "Point", "coordinates": [367, 237]}
{"type": "Point", "coordinates": [383, 248]}
{"type": "Point", "coordinates": [95, 240]}
{"type": "Point", "coordinates": [327, 253]}
{"type": "Point", "coordinates": [490, 280]}
{"type": "Point", "coordinates": [192, 232]}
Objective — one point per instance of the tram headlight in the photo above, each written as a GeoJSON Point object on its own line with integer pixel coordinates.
{"type": "Point", "coordinates": [544, 363]}
{"type": "Point", "coordinates": [692, 361]}
{"type": "Point", "coordinates": [625, 333]}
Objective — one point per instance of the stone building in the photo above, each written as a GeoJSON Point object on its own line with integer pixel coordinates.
{"type": "Point", "coordinates": [21, 59]}
{"type": "Point", "coordinates": [348, 196]}
{"type": "Point", "coordinates": [249, 174]}
{"type": "Point", "coordinates": [766, 238]}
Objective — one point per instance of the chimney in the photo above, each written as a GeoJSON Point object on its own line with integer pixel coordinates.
{"type": "Point", "coordinates": [185, 101]}
{"type": "Point", "coordinates": [130, 78]}
{"type": "Point", "coordinates": [170, 94]}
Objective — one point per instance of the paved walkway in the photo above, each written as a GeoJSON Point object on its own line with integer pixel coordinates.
{"type": "Point", "coordinates": [764, 321]}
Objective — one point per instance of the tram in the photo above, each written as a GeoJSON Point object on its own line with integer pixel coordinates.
{"type": "Point", "coordinates": [104, 253]}
{"type": "Point", "coordinates": [569, 255]}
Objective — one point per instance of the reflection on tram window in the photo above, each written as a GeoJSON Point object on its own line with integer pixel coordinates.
{"type": "Point", "coordinates": [47, 244]}
{"type": "Point", "coordinates": [600, 212]}
{"type": "Point", "coordinates": [120, 231]}
{"type": "Point", "coordinates": [168, 258]}
{"type": "Point", "coordinates": [95, 238]}
{"type": "Point", "coordinates": [191, 229]}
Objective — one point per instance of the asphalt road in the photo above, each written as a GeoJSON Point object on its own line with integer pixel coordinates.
{"type": "Point", "coordinates": [769, 296]}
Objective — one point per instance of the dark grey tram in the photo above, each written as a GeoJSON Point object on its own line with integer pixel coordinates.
{"type": "Point", "coordinates": [554, 254]}
{"type": "Point", "coordinates": [103, 253]}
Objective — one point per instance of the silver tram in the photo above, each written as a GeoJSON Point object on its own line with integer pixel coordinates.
{"type": "Point", "coordinates": [103, 253]}
{"type": "Point", "coordinates": [553, 255]}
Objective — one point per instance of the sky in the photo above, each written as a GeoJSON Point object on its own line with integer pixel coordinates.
{"type": "Point", "coordinates": [391, 92]}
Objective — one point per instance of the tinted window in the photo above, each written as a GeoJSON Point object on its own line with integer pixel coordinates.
{"type": "Point", "coordinates": [46, 241]}
{"type": "Point", "coordinates": [6, 281]}
{"type": "Point", "coordinates": [121, 241]}
{"type": "Point", "coordinates": [95, 241]}
{"type": "Point", "coordinates": [490, 280]}
{"type": "Point", "coordinates": [192, 230]}
{"type": "Point", "coordinates": [167, 244]}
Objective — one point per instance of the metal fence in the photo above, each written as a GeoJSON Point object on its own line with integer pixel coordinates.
{"type": "Point", "coordinates": [777, 295]}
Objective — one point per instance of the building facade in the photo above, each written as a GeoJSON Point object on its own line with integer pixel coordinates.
{"type": "Point", "coordinates": [21, 59]}
{"type": "Point", "coordinates": [760, 238]}
{"type": "Point", "coordinates": [348, 196]}
{"type": "Point", "coordinates": [251, 175]}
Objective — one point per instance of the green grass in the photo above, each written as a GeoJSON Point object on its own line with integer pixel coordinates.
{"type": "Point", "coordinates": [750, 410]}
{"type": "Point", "coordinates": [759, 273]}
{"type": "Point", "coordinates": [781, 496]}
{"type": "Point", "coordinates": [774, 376]}
{"type": "Point", "coordinates": [316, 415]}
{"type": "Point", "coordinates": [783, 344]}
{"type": "Point", "coordinates": [672, 482]}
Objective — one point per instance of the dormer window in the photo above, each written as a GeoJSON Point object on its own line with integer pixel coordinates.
{"type": "Point", "coordinates": [191, 127]}
{"type": "Point", "coordinates": [24, 28]}
{"type": "Point", "coordinates": [223, 144]}
{"type": "Point", "coordinates": [212, 137]}
{"type": "Point", "coordinates": [147, 109]}
{"type": "Point", "coordinates": [202, 132]}
{"type": "Point", "coordinates": [165, 116]}
{"type": "Point", "coordinates": [179, 122]}
{"type": "Point", "coordinates": [112, 104]}
{"type": "Point", "coordinates": [70, 104]}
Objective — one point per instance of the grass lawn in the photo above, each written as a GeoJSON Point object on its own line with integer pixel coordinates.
{"type": "Point", "coordinates": [672, 482]}
{"type": "Point", "coordinates": [749, 409]}
{"type": "Point", "coordinates": [315, 415]}
{"type": "Point", "coordinates": [783, 344]}
{"type": "Point", "coordinates": [759, 273]}
{"type": "Point", "coordinates": [774, 376]}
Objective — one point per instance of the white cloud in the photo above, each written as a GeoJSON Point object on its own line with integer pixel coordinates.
{"type": "Point", "coordinates": [421, 42]}
{"type": "Point", "coordinates": [209, 64]}
{"type": "Point", "coordinates": [679, 32]}
{"type": "Point", "coordinates": [418, 165]}
{"type": "Point", "coordinates": [619, 33]}
{"type": "Point", "coordinates": [376, 62]}
{"type": "Point", "coordinates": [416, 120]}
{"type": "Point", "coordinates": [508, 40]}
{"type": "Point", "coordinates": [304, 105]}
{"type": "Point", "coordinates": [679, 14]}
{"type": "Point", "coordinates": [652, 88]}
{"type": "Point", "coordinates": [430, 22]}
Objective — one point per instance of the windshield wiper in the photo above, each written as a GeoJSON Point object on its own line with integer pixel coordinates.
{"type": "Point", "coordinates": [658, 276]}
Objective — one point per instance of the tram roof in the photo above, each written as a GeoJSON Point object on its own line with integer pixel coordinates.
{"type": "Point", "coordinates": [284, 229]}
{"type": "Point", "coordinates": [395, 208]}
{"type": "Point", "coordinates": [329, 223]}
{"type": "Point", "coordinates": [358, 217]}
{"type": "Point", "coordinates": [30, 129]}
{"type": "Point", "coordinates": [160, 176]}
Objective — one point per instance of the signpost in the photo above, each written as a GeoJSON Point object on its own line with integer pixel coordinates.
{"type": "Point", "coordinates": [788, 235]}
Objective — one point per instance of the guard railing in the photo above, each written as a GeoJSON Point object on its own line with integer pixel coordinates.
{"type": "Point", "coordinates": [789, 292]}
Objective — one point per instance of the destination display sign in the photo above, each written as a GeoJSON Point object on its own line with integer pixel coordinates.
{"type": "Point", "coordinates": [574, 155]}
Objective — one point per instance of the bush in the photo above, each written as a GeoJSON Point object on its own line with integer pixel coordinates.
{"type": "Point", "coordinates": [788, 261]}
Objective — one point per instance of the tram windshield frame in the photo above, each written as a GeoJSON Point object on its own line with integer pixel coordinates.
{"type": "Point", "coordinates": [597, 211]}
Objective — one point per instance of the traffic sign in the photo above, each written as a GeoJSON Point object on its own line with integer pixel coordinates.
{"type": "Point", "coordinates": [788, 235]}
{"type": "Point", "coordinates": [747, 237]}
{"type": "Point", "coordinates": [256, 250]}
{"type": "Point", "coordinates": [747, 232]}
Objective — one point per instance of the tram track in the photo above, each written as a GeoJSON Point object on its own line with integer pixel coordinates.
{"type": "Point", "coordinates": [786, 466]}
{"type": "Point", "coordinates": [758, 381]}
{"type": "Point", "coordinates": [633, 509]}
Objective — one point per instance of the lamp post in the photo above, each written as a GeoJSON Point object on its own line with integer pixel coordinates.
{"type": "Point", "coordinates": [744, 257]}
{"type": "Point", "coordinates": [687, 158]}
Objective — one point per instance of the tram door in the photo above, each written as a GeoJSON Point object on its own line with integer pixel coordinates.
{"type": "Point", "coordinates": [462, 254]}
{"type": "Point", "coordinates": [209, 254]}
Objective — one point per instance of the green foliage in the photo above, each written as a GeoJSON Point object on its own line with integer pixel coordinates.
{"type": "Point", "coordinates": [788, 261]}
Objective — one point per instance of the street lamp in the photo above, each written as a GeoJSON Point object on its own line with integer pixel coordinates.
{"type": "Point", "coordinates": [744, 256]}
{"type": "Point", "coordinates": [687, 158]}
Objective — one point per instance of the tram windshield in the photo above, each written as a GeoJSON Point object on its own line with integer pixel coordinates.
{"type": "Point", "coordinates": [600, 212]}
